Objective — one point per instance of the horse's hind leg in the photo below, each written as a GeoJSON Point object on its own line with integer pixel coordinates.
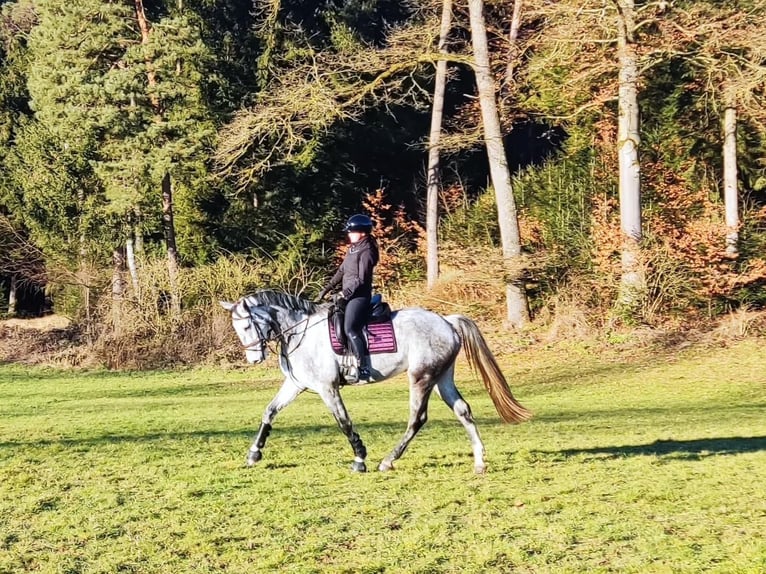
{"type": "Point", "coordinates": [331, 397]}
{"type": "Point", "coordinates": [447, 390]}
{"type": "Point", "coordinates": [286, 394]}
{"type": "Point", "coordinates": [420, 391]}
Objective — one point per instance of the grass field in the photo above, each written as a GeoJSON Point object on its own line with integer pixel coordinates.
{"type": "Point", "coordinates": [651, 465]}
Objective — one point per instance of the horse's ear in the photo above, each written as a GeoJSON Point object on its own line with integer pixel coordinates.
{"type": "Point", "coordinates": [226, 305]}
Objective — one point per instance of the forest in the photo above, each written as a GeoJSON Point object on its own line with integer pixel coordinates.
{"type": "Point", "coordinates": [521, 160]}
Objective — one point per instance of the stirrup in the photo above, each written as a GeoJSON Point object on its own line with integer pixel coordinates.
{"type": "Point", "coordinates": [349, 370]}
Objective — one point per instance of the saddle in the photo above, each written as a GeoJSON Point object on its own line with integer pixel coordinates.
{"type": "Point", "coordinates": [379, 329]}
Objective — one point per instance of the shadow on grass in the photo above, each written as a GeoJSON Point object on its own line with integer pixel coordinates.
{"type": "Point", "coordinates": [291, 433]}
{"type": "Point", "coordinates": [317, 437]}
{"type": "Point", "coordinates": [695, 449]}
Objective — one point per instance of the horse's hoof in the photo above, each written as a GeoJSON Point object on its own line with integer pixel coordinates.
{"type": "Point", "coordinates": [385, 466]}
{"type": "Point", "coordinates": [357, 466]}
{"type": "Point", "coordinates": [253, 456]}
{"type": "Point", "coordinates": [480, 469]}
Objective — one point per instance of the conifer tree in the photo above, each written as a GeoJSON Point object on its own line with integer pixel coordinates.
{"type": "Point", "coordinates": [70, 50]}
{"type": "Point", "coordinates": [128, 106]}
{"type": "Point", "coordinates": [174, 124]}
{"type": "Point", "coordinates": [16, 19]}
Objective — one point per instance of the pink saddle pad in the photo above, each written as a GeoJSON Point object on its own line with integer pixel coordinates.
{"type": "Point", "coordinates": [380, 338]}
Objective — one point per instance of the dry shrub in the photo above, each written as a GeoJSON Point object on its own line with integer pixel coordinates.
{"type": "Point", "coordinates": [531, 231]}
{"type": "Point", "coordinates": [470, 283]}
{"type": "Point", "coordinates": [201, 334]}
{"type": "Point", "coordinates": [683, 254]}
{"type": "Point", "coordinates": [670, 286]}
{"type": "Point", "coordinates": [738, 324]}
{"type": "Point", "coordinates": [566, 317]}
{"type": "Point", "coordinates": [228, 279]}
{"type": "Point", "coordinates": [29, 344]}
{"type": "Point", "coordinates": [690, 227]}
{"type": "Point", "coordinates": [147, 334]}
{"type": "Point", "coordinates": [607, 244]}
{"type": "Point", "coordinates": [453, 198]}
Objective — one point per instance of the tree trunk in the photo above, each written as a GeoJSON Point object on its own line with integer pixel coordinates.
{"type": "Point", "coordinates": [170, 242]}
{"type": "Point", "coordinates": [731, 197]}
{"type": "Point", "coordinates": [13, 291]}
{"type": "Point", "coordinates": [633, 282]}
{"type": "Point", "coordinates": [167, 189]}
{"type": "Point", "coordinates": [151, 77]}
{"type": "Point", "coordinates": [118, 289]}
{"type": "Point", "coordinates": [130, 256]}
{"type": "Point", "coordinates": [138, 235]}
{"type": "Point", "coordinates": [516, 299]}
{"type": "Point", "coordinates": [434, 178]}
{"type": "Point", "coordinates": [513, 38]}
{"type": "Point", "coordinates": [83, 277]}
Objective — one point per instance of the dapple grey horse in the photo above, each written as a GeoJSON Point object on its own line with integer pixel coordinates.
{"type": "Point", "coordinates": [427, 346]}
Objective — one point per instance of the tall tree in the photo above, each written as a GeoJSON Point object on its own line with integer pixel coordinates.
{"type": "Point", "coordinates": [128, 106]}
{"type": "Point", "coordinates": [587, 59]}
{"type": "Point", "coordinates": [725, 46]}
{"type": "Point", "coordinates": [55, 152]}
{"type": "Point", "coordinates": [168, 221]}
{"type": "Point", "coordinates": [434, 169]}
{"type": "Point", "coordinates": [633, 283]}
{"type": "Point", "coordinates": [513, 41]}
{"type": "Point", "coordinates": [173, 123]}
{"type": "Point", "coordinates": [730, 187]}
{"type": "Point", "coordinates": [16, 20]}
{"type": "Point", "coordinates": [516, 299]}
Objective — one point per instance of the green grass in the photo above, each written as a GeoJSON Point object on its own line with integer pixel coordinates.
{"type": "Point", "coordinates": [651, 466]}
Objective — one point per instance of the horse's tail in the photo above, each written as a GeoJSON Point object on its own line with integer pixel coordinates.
{"type": "Point", "coordinates": [480, 358]}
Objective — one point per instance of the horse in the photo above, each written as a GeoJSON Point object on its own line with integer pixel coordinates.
{"type": "Point", "coordinates": [427, 346]}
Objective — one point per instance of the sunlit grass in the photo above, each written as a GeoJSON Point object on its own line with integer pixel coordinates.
{"type": "Point", "coordinates": [653, 466]}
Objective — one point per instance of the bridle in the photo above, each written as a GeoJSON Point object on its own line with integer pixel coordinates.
{"type": "Point", "coordinates": [262, 340]}
{"type": "Point", "coordinates": [277, 335]}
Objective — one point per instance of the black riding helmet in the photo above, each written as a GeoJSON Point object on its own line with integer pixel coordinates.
{"type": "Point", "coordinates": [359, 222]}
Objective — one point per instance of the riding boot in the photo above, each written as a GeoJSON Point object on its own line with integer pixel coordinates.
{"type": "Point", "coordinates": [359, 349]}
{"type": "Point", "coordinates": [364, 369]}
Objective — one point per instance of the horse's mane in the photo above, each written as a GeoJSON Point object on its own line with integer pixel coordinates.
{"type": "Point", "coordinates": [272, 298]}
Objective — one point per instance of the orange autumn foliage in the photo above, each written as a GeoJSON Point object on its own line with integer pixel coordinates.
{"type": "Point", "coordinates": [683, 224]}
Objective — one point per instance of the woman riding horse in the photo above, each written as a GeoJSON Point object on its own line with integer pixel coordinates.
{"type": "Point", "coordinates": [427, 346]}
{"type": "Point", "coordinates": [355, 278]}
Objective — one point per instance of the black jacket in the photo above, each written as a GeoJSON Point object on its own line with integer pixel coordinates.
{"type": "Point", "coordinates": [355, 273]}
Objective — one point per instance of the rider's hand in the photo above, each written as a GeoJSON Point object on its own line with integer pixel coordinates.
{"type": "Point", "coordinates": [339, 301]}
{"type": "Point", "coordinates": [322, 295]}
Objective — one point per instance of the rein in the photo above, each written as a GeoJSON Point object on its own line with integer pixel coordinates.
{"type": "Point", "coordinates": [278, 336]}
{"type": "Point", "coordinates": [281, 335]}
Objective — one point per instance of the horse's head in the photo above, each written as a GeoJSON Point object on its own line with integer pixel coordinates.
{"type": "Point", "coordinates": [254, 327]}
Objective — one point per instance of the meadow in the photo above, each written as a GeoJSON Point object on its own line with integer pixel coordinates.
{"type": "Point", "coordinates": [631, 464]}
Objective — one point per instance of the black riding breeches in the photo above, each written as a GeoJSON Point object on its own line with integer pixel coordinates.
{"type": "Point", "coordinates": [357, 310]}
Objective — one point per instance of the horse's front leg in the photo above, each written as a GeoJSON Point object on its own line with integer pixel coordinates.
{"type": "Point", "coordinates": [331, 397]}
{"type": "Point", "coordinates": [286, 394]}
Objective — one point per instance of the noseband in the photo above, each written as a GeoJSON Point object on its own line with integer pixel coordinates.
{"type": "Point", "coordinates": [261, 343]}
{"type": "Point", "coordinates": [263, 340]}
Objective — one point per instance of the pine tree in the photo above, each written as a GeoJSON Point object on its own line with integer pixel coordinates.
{"type": "Point", "coordinates": [128, 105]}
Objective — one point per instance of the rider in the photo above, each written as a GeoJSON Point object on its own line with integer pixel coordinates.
{"type": "Point", "coordinates": [355, 278]}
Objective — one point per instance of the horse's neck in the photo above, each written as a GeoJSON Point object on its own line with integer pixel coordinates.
{"type": "Point", "coordinates": [289, 318]}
